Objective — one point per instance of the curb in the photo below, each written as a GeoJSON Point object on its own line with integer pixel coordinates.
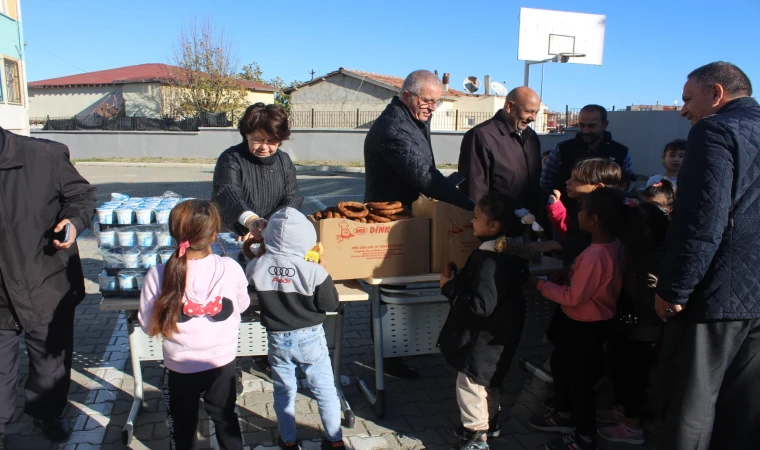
{"type": "Point", "coordinates": [320, 169]}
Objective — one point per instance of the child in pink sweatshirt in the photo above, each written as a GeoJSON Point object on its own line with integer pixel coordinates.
{"type": "Point", "coordinates": [589, 300]}
{"type": "Point", "coordinates": [194, 302]}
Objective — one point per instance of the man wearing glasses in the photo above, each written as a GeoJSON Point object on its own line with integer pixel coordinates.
{"type": "Point", "coordinates": [398, 154]}
{"type": "Point", "coordinates": [399, 162]}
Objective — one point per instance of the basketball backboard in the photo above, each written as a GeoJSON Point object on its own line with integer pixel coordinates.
{"type": "Point", "coordinates": [545, 34]}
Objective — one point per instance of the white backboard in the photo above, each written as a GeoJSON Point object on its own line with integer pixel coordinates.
{"type": "Point", "coordinates": [545, 33]}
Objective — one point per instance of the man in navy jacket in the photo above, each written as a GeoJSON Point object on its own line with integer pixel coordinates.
{"type": "Point", "coordinates": [709, 288]}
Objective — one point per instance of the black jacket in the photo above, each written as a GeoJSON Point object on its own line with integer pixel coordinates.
{"type": "Point", "coordinates": [399, 161]}
{"type": "Point", "coordinates": [39, 187]}
{"type": "Point", "coordinates": [713, 243]}
{"type": "Point", "coordinates": [495, 158]}
{"type": "Point", "coordinates": [243, 182]}
{"type": "Point", "coordinates": [485, 322]}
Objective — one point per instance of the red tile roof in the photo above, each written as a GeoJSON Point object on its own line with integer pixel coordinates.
{"type": "Point", "coordinates": [141, 73]}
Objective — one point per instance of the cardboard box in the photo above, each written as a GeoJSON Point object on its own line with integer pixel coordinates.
{"type": "Point", "coordinates": [451, 234]}
{"type": "Point", "coordinates": [356, 250]}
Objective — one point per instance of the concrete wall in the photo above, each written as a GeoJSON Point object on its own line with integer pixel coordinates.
{"type": "Point", "coordinates": [341, 93]}
{"type": "Point", "coordinates": [142, 99]}
{"type": "Point", "coordinates": [645, 133]}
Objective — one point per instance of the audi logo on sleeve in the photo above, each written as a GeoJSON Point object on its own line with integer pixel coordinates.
{"type": "Point", "coordinates": [282, 271]}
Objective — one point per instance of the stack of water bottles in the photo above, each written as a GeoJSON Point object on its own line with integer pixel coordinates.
{"type": "Point", "coordinates": [133, 236]}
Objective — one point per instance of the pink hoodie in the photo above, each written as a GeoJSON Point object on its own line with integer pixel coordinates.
{"type": "Point", "coordinates": [204, 341]}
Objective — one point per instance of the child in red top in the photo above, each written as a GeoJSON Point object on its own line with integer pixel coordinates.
{"type": "Point", "coordinates": [587, 175]}
{"type": "Point", "coordinates": [586, 303]}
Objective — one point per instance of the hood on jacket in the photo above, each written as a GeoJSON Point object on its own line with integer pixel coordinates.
{"type": "Point", "coordinates": [203, 289]}
{"type": "Point", "coordinates": [289, 233]}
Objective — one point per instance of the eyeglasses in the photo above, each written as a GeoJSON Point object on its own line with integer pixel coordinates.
{"type": "Point", "coordinates": [427, 101]}
{"type": "Point", "coordinates": [259, 141]}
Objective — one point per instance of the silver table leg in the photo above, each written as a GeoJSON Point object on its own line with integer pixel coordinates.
{"type": "Point", "coordinates": [377, 398]}
{"type": "Point", "coordinates": [128, 431]}
{"type": "Point", "coordinates": [348, 415]}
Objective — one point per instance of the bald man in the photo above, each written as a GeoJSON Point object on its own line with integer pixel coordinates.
{"type": "Point", "coordinates": [503, 154]}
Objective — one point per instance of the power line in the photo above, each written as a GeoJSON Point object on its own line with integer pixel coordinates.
{"type": "Point", "coordinates": [67, 62]}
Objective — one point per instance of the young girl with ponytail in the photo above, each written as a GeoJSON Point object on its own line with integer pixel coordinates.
{"type": "Point", "coordinates": [194, 302]}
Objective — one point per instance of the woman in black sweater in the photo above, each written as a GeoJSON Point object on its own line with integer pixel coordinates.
{"type": "Point", "coordinates": [252, 180]}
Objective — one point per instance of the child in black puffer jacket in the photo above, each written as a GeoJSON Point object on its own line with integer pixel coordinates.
{"type": "Point", "coordinates": [485, 322]}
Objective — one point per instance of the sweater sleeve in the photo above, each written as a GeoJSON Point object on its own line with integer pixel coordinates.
{"type": "Point", "coordinates": [474, 165]}
{"type": "Point", "coordinates": [326, 296]}
{"type": "Point", "coordinates": [478, 295]}
{"type": "Point", "coordinates": [293, 197]}
{"type": "Point", "coordinates": [585, 281]}
{"type": "Point", "coordinates": [150, 293]}
{"type": "Point", "coordinates": [558, 215]}
{"type": "Point", "coordinates": [227, 190]}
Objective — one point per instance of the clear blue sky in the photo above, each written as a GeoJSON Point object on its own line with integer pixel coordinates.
{"type": "Point", "coordinates": [650, 45]}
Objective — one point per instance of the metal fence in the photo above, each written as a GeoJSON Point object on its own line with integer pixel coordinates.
{"type": "Point", "coordinates": [442, 120]}
{"type": "Point", "coordinates": [96, 122]}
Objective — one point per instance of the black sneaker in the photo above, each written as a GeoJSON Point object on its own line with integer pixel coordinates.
{"type": "Point", "coordinates": [571, 441]}
{"type": "Point", "coordinates": [337, 445]}
{"type": "Point", "coordinates": [553, 422]}
{"type": "Point", "coordinates": [56, 430]}
{"type": "Point", "coordinates": [396, 367]}
{"type": "Point", "coordinates": [290, 445]}
{"type": "Point", "coordinates": [494, 430]}
{"type": "Point", "coordinates": [550, 403]}
{"type": "Point", "coordinates": [476, 441]}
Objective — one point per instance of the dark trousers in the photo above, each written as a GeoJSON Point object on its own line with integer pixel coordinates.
{"type": "Point", "coordinates": [631, 362]}
{"type": "Point", "coordinates": [182, 393]}
{"type": "Point", "coordinates": [577, 365]}
{"type": "Point", "coordinates": [49, 348]}
{"type": "Point", "coordinates": [710, 376]}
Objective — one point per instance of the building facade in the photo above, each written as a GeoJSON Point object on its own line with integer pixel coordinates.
{"type": "Point", "coordinates": [13, 93]}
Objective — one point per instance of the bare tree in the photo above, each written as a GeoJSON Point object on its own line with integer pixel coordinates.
{"type": "Point", "coordinates": [206, 79]}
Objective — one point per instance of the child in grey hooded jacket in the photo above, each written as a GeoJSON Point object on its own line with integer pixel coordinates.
{"type": "Point", "coordinates": [295, 296]}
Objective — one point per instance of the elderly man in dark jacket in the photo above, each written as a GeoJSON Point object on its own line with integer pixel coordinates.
{"type": "Point", "coordinates": [41, 279]}
{"type": "Point", "coordinates": [503, 154]}
{"type": "Point", "coordinates": [398, 155]}
{"type": "Point", "coordinates": [399, 162]}
{"type": "Point", "coordinates": [709, 287]}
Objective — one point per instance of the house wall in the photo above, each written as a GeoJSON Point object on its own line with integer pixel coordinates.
{"type": "Point", "coordinates": [13, 117]}
{"type": "Point", "coordinates": [142, 100]}
{"type": "Point", "coordinates": [341, 93]}
{"type": "Point", "coordinates": [264, 97]}
{"type": "Point", "coordinates": [65, 101]}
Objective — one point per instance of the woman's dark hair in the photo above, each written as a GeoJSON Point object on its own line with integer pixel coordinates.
{"type": "Point", "coordinates": [598, 171]}
{"type": "Point", "coordinates": [271, 119]}
{"type": "Point", "coordinates": [664, 188]}
{"type": "Point", "coordinates": [676, 145]}
{"type": "Point", "coordinates": [195, 222]}
{"type": "Point", "coordinates": [501, 208]}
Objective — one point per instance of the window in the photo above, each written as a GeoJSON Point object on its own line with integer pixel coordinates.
{"type": "Point", "coordinates": [12, 81]}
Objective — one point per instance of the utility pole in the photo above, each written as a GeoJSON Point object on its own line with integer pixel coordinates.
{"type": "Point", "coordinates": [312, 74]}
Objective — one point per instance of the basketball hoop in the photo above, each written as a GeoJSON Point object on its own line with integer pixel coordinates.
{"type": "Point", "coordinates": [565, 57]}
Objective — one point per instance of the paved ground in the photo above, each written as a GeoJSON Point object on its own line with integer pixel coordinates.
{"type": "Point", "coordinates": [420, 413]}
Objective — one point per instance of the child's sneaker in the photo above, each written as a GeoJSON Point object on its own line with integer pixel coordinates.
{"type": "Point", "coordinates": [621, 433]}
{"type": "Point", "coordinates": [337, 445]}
{"type": "Point", "coordinates": [571, 441]}
{"type": "Point", "coordinates": [476, 441]}
{"type": "Point", "coordinates": [609, 416]}
{"type": "Point", "coordinates": [552, 421]}
{"type": "Point", "coordinates": [289, 445]}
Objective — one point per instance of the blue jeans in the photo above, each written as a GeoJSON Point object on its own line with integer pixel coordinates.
{"type": "Point", "coordinates": [305, 348]}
